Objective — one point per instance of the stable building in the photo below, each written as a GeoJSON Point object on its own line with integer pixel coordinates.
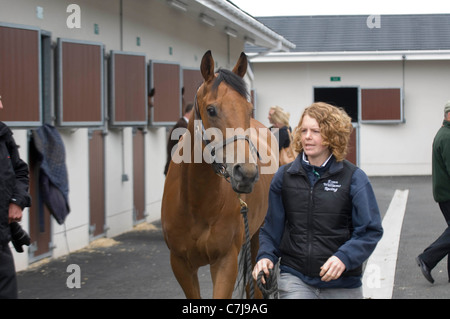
{"type": "Point", "coordinates": [108, 79]}
{"type": "Point", "coordinates": [391, 73]}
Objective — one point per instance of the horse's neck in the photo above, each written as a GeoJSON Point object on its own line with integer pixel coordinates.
{"type": "Point", "coordinates": [200, 178]}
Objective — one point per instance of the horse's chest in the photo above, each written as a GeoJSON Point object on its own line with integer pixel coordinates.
{"type": "Point", "coordinates": [212, 242]}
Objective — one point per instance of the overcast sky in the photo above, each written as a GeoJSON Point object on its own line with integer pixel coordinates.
{"type": "Point", "coordinates": [259, 8]}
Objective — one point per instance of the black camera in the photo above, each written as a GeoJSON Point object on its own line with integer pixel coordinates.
{"type": "Point", "coordinates": [19, 237]}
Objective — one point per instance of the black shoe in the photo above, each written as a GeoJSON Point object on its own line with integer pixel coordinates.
{"type": "Point", "coordinates": [425, 270]}
{"type": "Point", "coordinates": [19, 237]}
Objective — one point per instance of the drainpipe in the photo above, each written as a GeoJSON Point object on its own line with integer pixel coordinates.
{"type": "Point", "coordinates": [121, 24]}
{"type": "Point", "coordinates": [403, 87]}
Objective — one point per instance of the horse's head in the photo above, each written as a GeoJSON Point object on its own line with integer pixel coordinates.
{"type": "Point", "coordinates": [223, 113]}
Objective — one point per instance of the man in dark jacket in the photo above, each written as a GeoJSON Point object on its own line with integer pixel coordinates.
{"type": "Point", "coordinates": [14, 197]}
{"type": "Point", "coordinates": [441, 193]}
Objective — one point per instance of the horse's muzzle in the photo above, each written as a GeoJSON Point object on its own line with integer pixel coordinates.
{"type": "Point", "coordinates": [243, 177]}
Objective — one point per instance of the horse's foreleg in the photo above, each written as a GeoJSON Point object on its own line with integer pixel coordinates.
{"type": "Point", "coordinates": [186, 276]}
{"type": "Point", "coordinates": [223, 274]}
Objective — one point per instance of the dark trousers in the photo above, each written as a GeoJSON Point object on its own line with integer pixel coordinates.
{"type": "Point", "coordinates": [8, 280]}
{"type": "Point", "coordinates": [441, 247]}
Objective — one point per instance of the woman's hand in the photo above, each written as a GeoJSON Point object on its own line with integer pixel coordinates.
{"type": "Point", "coordinates": [332, 269]}
{"type": "Point", "coordinates": [263, 265]}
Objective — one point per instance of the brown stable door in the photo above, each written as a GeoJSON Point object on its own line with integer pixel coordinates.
{"type": "Point", "coordinates": [96, 184]}
{"type": "Point", "coordinates": [40, 225]}
{"type": "Point", "coordinates": [139, 175]}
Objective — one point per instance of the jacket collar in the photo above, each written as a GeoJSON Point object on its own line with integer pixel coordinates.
{"type": "Point", "coordinates": [4, 130]}
{"type": "Point", "coordinates": [297, 168]}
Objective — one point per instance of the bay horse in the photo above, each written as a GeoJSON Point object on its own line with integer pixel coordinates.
{"type": "Point", "coordinates": [201, 205]}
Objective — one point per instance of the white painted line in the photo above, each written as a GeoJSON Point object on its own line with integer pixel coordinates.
{"type": "Point", "coordinates": [379, 274]}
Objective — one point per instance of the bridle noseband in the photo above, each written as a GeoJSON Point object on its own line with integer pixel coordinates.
{"type": "Point", "coordinates": [221, 168]}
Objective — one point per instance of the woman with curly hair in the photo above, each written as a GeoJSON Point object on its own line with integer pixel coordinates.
{"type": "Point", "coordinates": [323, 220]}
{"type": "Point", "coordinates": [280, 125]}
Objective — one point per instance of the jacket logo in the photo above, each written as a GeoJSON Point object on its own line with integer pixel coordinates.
{"type": "Point", "coordinates": [331, 186]}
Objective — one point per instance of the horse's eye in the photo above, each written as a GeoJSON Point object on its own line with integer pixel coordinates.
{"type": "Point", "coordinates": [211, 110]}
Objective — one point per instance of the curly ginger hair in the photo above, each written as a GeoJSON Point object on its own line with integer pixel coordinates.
{"type": "Point", "coordinates": [335, 127]}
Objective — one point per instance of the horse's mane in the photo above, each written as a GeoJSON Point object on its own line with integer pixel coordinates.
{"type": "Point", "coordinates": [234, 81]}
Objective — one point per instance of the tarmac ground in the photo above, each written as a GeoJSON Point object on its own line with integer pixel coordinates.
{"type": "Point", "coordinates": [135, 265]}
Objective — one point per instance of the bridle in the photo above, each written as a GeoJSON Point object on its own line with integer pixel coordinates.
{"type": "Point", "coordinates": [220, 168]}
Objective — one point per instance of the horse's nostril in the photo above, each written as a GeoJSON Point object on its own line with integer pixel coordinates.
{"type": "Point", "coordinates": [245, 172]}
{"type": "Point", "coordinates": [237, 172]}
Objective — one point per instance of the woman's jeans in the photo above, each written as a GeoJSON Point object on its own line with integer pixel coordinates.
{"type": "Point", "coordinates": [292, 287]}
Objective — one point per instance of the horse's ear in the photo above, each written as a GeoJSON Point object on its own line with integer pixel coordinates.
{"type": "Point", "coordinates": [207, 66]}
{"type": "Point", "coordinates": [241, 66]}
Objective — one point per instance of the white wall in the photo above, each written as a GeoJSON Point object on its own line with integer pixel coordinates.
{"type": "Point", "coordinates": [119, 194]}
{"type": "Point", "coordinates": [395, 149]}
{"type": "Point", "coordinates": [77, 222]}
{"type": "Point", "coordinates": [154, 173]}
{"type": "Point", "coordinates": [159, 28]}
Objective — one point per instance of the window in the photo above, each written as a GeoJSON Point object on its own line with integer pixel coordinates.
{"type": "Point", "coordinates": [20, 75]}
{"type": "Point", "coordinates": [166, 82]}
{"type": "Point", "coordinates": [381, 105]}
{"type": "Point", "coordinates": [192, 79]}
{"type": "Point", "coordinates": [80, 81]}
{"type": "Point", "coordinates": [128, 89]}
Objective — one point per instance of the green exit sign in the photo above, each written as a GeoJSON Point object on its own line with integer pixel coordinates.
{"type": "Point", "coordinates": [335, 78]}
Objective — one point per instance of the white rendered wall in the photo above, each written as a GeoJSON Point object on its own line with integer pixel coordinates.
{"type": "Point", "coordinates": [165, 35]}
{"type": "Point", "coordinates": [385, 149]}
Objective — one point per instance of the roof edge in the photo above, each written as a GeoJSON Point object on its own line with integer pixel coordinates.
{"type": "Point", "coordinates": [343, 56]}
{"type": "Point", "coordinates": [233, 13]}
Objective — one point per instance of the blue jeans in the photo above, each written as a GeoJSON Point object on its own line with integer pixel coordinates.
{"type": "Point", "coordinates": [292, 287]}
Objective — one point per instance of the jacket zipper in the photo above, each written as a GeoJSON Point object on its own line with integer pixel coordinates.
{"type": "Point", "coordinates": [310, 228]}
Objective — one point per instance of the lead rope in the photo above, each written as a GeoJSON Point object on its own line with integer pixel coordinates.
{"type": "Point", "coordinates": [270, 287]}
{"type": "Point", "coordinates": [247, 249]}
